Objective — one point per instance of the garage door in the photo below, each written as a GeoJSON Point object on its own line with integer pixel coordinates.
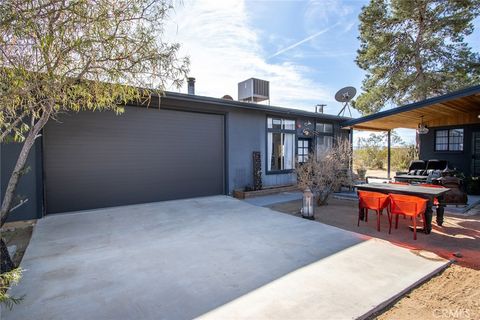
{"type": "Point", "coordinates": [99, 159]}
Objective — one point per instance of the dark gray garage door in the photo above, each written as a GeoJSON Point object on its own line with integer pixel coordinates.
{"type": "Point", "coordinates": [99, 159]}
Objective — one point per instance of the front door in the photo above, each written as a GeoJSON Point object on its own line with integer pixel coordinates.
{"type": "Point", "coordinates": [476, 154]}
{"type": "Point", "coordinates": [304, 148]}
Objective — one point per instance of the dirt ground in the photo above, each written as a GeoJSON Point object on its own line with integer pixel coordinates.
{"type": "Point", "coordinates": [18, 234]}
{"type": "Point", "coordinates": [453, 294]}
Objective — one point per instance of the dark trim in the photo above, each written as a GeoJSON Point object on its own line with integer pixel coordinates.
{"type": "Point", "coordinates": [267, 130]}
{"type": "Point", "coordinates": [251, 106]}
{"type": "Point", "coordinates": [416, 105]}
{"type": "Point", "coordinates": [226, 152]}
{"type": "Point", "coordinates": [448, 140]}
{"type": "Point", "coordinates": [279, 172]}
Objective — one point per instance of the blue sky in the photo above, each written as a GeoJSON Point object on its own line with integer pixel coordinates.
{"type": "Point", "coordinates": [306, 49]}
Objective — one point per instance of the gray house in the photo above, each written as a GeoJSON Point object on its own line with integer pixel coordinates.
{"type": "Point", "coordinates": [181, 146]}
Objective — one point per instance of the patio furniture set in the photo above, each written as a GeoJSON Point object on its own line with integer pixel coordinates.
{"type": "Point", "coordinates": [401, 198]}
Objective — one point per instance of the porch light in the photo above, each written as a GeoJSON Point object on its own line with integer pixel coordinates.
{"type": "Point", "coordinates": [422, 128]}
{"type": "Point", "coordinates": [307, 210]}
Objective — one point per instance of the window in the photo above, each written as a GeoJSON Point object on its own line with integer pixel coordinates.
{"type": "Point", "coordinates": [281, 124]}
{"type": "Point", "coordinates": [324, 143]}
{"type": "Point", "coordinates": [303, 149]}
{"type": "Point", "coordinates": [324, 128]}
{"type": "Point", "coordinates": [324, 140]}
{"type": "Point", "coordinates": [449, 140]}
{"type": "Point", "coordinates": [280, 144]}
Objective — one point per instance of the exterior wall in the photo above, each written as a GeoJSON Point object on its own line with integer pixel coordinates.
{"type": "Point", "coordinates": [460, 160]}
{"type": "Point", "coordinates": [245, 132]}
{"type": "Point", "coordinates": [30, 184]}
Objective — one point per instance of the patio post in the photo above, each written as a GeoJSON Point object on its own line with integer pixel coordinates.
{"type": "Point", "coordinates": [388, 152]}
{"type": "Point", "coordinates": [351, 146]}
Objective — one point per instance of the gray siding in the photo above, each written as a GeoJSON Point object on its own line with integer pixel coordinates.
{"type": "Point", "coordinates": [245, 132]}
{"type": "Point", "coordinates": [30, 184]}
{"type": "Point", "coordinates": [460, 160]}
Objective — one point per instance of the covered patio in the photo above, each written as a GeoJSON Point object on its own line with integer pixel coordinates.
{"type": "Point", "coordinates": [459, 109]}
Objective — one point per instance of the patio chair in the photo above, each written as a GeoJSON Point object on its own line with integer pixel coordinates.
{"type": "Point", "coordinates": [372, 201]}
{"type": "Point", "coordinates": [435, 165]}
{"type": "Point", "coordinates": [408, 206]}
{"type": "Point", "coordinates": [417, 167]}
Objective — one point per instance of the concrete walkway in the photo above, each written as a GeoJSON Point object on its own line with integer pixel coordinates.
{"type": "Point", "coordinates": [214, 258]}
{"type": "Point", "coordinates": [264, 201]}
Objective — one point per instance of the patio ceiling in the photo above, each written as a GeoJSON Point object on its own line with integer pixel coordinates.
{"type": "Point", "coordinates": [456, 108]}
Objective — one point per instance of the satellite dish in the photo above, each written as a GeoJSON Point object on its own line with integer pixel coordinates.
{"type": "Point", "coordinates": [345, 95]}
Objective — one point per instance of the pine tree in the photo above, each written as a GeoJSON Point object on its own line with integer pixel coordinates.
{"type": "Point", "coordinates": [415, 49]}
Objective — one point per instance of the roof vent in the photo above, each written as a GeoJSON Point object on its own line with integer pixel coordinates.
{"type": "Point", "coordinates": [253, 90]}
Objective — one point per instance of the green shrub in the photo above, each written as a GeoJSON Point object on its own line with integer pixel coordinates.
{"type": "Point", "coordinates": [372, 152]}
{"type": "Point", "coordinates": [377, 159]}
{"type": "Point", "coordinates": [7, 280]}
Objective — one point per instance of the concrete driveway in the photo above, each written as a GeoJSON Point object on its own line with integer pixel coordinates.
{"type": "Point", "coordinates": [213, 257]}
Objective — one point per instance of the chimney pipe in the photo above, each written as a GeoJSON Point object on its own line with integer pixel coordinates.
{"type": "Point", "coordinates": [319, 108]}
{"type": "Point", "coordinates": [191, 85]}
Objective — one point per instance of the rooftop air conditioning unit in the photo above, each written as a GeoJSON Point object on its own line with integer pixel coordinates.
{"type": "Point", "coordinates": [253, 90]}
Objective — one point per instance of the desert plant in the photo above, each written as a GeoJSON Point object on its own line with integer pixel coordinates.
{"type": "Point", "coordinates": [7, 280]}
{"type": "Point", "coordinates": [403, 156]}
{"type": "Point", "coordinates": [361, 171]}
{"type": "Point", "coordinates": [371, 152]}
{"type": "Point", "coordinates": [325, 173]}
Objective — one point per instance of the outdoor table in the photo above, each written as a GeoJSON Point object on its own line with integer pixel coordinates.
{"type": "Point", "coordinates": [428, 193]}
{"type": "Point", "coordinates": [410, 178]}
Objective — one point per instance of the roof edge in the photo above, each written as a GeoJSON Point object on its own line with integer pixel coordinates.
{"type": "Point", "coordinates": [415, 105]}
{"type": "Point", "coordinates": [250, 106]}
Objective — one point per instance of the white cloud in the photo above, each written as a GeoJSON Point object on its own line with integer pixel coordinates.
{"type": "Point", "coordinates": [296, 44]}
{"type": "Point", "coordinates": [225, 49]}
{"type": "Point", "coordinates": [320, 14]}
{"type": "Point", "coordinates": [324, 13]}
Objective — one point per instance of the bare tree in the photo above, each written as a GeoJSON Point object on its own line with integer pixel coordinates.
{"type": "Point", "coordinates": [325, 173]}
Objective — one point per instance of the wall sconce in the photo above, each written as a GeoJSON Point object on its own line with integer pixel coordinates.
{"type": "Point", "coordinates": [307, 209]}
